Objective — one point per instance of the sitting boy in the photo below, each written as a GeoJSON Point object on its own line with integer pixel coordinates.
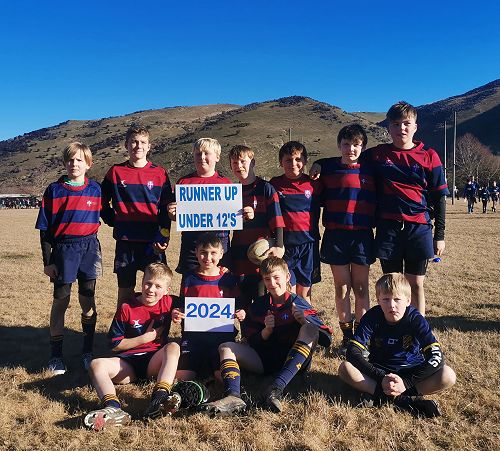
{"type": "Point", "coordinates": [139, 335]}
{"type": "Point", "coordinates": [282, 330]}
{"type": "Point", "coordinates": [405, 359]}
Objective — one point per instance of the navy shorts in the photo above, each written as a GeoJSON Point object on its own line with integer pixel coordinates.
{"type": "Point", "coordinates": [274, 357]}
{"type": "Point", "coordinates": [342, 247]}
{"type": "Point", "coordinates": [399, 242]}
{"type": "Point", "coordinates": [130, 257]}
{"type": "Point", "coordinates": [77, 258]}
{"type": "Point", "coordinates": [303, 263]}
{"type": "Point", "coordinates": [139, 362]}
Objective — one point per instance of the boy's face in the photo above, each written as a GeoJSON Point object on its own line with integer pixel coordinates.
{"type": "Point", "coordinates": [276, 282]}
{"type": "Point", "coordinates": [402, 131]}
{"type": "Point", "coordinates": [209, 256]}
{"type": "Point", "coordinates": [153, 289]}
{"type": "Point", "coordinates": [350, 150]}
{"type": "Point", "coordinates": [242, 167]}
{"type": "Point", "coordinates": [205, 161]}
{"type": "Point", "coordinates": [293, 165]}
{"type": "Point", "coordinates": [393, 306]}
{"type": "Point", "coordinates": [76, 166]}
{"type": "Point", "coordinates": [138, 147]}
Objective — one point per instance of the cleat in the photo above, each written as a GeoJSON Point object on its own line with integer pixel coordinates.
{"type": "Point", "coordinates": [107, 416]}
{"type": "Point", "coordinates": [87, 358]}
{"type": "Point", "coordinates": [272, 402]}
{"type": "Point", "coordinates": [230, 405]}
{"type": "Point", "coordinates": [192, 393]}
{"type": "Point", "coordinates": [417, 406]}
{"type": "Point", "coordinates": [56, 366]}
{"type": "Point", "coordinates": [163, 403]}
{"type": "Point", "coordinates": [342, 349]}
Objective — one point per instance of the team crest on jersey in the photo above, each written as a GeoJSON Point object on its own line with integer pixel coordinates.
{"type": "Point", "coordinates": [388, 162]}
{"type": "Point", "coordinates": [123, 184]}
{"type": "Point", "coordinates": [407, 341]}
{"type": "Point", "coordinates": [150, 184]}
{"type": "Point", "coordinates": [285, 316]}
{"type": "Point", "coordinates": [89, 203]}
{"type": "Point", "coordinates": [415, 167]}
{"type": "Point", "coordinates": [307, 193]}
{"type": "Point", "coordinates": [136, 324]}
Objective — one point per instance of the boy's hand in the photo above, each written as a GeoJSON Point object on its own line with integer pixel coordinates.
{"type": "Point", "coordinates": [240, 315]}
{"type": "Point", "coordinates": [269, 320]}
{"type": "Point", "coordinates": [315, 171]}
{"type": "Point", "coordinates": [51, 271]}
{"type": "Point", "coordinates": [151, 333]}
{"type": "Point", "coordinates": [160, 248]}
{"type": "Point", "coordinates": [177, 316]}
{"type": "Point", "coordinates": [298, 314]}
{"type": "Point", "coordinates": [275, 251]}
{"type": "Point", "coordinates": [172, 210]}
{"type": "Point", "coordinates": [439, 247]}
{"type": "Point", "coordinates": [247, 213]}
{"type": "Point", "coordinates": [393, 385]}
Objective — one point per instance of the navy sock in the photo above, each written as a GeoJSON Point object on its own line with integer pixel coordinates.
{"type": "Point", "coordinates": [297, 355]}
{"type": "Point", "coordinates": [88, 328]}
{"type": "Point", "coordinates": [231, 376]}
{"type": "Point", "coordinates": [56, 346]}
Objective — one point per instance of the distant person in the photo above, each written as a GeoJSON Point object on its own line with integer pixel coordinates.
{"type": "Point", "coordinates": [410, 185]}
{"type": "Point", "coordinates": [484, 195]}
{"type": "Point", "coordinates": [138, 335]}
{"type": "Point", "coordinates": [282, 331]}
{"type": "Point", "coordinates": [135, 197]}
{"type": "Point", "coordinates": [494, 195]}
{"type": "Point", "coordinates": [470, 193]}
{"type": "Point", "coordinates": [349, 218]}
{"type": "Point", "coordinates": [300, 202]}
{"type": "Point", "coordinates": [405, 360]}
{"type": "Point", "coordinates": [68, 222]}
{"type": "Point", "coordinates": [206, 154]}
{"type": "Point", "coordinates": [261, 219]}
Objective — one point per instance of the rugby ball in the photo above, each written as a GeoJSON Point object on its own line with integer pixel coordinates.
{"type": "Point", "coordinates": [256, 250]}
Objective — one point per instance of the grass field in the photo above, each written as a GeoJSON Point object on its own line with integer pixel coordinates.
{"type": "Point", "coordinates": [463, 305]}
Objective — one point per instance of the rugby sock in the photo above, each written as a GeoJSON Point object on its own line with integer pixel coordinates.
{"type": "Point", "coordinates": [346, 329]}
{"type": "Point", "coordinates": [164, 386]}
{"type": "Point", "coordinates": [111, 401]}
{"type": "Point", "coordinates": [297, 355]}
{"type": "Point", "coordinates": [231, 376]}
{"type": "Point", "coordinates": [88, 328]}
{"type": "Point", "coordinates": [56, 345]}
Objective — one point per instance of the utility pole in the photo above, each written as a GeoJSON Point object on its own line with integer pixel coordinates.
{"type": "Point", "coordinates": [290, 134]}
{"type": "Point", "coordinates": [445, 160]}
{"type": "Point", "coordinates": [454, 154]}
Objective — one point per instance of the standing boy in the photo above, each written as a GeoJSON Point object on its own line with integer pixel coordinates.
{"type": "Point", "coordinates": [470, 193]}
{"type": "Point", "coordinates": [135, 196]}
{"type": "Point", "coordinates": [300, 205]}
{"type": "Point", "coordinates": [410, 188]}
{"type": "Point", "coordinates": [68, 222]}
{"type": "Point", "coordinates": [405, 359]}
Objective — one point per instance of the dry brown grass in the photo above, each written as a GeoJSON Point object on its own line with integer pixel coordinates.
{"type": "Point", "coordinates": [39, 412]}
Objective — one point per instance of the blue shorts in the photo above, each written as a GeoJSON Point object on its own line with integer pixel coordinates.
{"type": "Point", "coordinates": [130, 257]}
{"type": "Point", "coordinates": [77, 258]}
{"type": "Point", "coordinates": [342, 247]}
{"type": "Point", "coordinates": [303, 263]}
{"type": "Point", "coordinates": [404, 241]}
{"type": "Point", "coordinates": [139, 362]}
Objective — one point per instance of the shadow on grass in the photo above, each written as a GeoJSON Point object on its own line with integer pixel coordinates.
{"type": "Point", "coordinates": [491, 306]}
{"type": "Point", "coordinates": [464, 324]}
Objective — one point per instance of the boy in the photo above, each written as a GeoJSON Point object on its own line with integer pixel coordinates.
{"type": "Point", "coordinates": [135, 196]}
{"type": "Point", "coordinates": [300, 205]}
{"type": "Point", "coordinates": [262, 219]}
{"type": "Point", "coordinates": [138, 334]}
{"type": "Point", "coordinates": [485, 197]}
{"type": "Point", "coordinates": [405, 360]}
{"type": "Point", "coordinates": [282, 330]}
{"type": "Point", "coordinates": [206, 153]}
{"type": "Point", "coordinates": [348, 217]}
{"type": "Point", "coordinates": [68, 222]}
{"type": "Point", "coordinates": [470, 193]}
{"type": "Point", "coordinates": [410, 186]}
{"type": "Point", "coordinates": [200, 349]}
{"type": "Point", "coordinates": [494, 195]}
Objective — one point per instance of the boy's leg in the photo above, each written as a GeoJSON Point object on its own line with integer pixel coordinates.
{"type": "Point", "coordinates": [440, 380]}
{"type": "Point", "coordinates": [56, 327]}
{"type": "Point", "coordinates": [86, 291]}
{"type": "Point", "coordinates": [355, 378]}
{"type": "Point", "coordinates": [342, 281]}
{"type": "Point", "coordinates": [415, 274]}
{"type": "Point", "coordinates": [360, 287]}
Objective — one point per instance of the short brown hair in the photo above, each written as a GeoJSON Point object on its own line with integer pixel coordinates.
{"type": "Point", "coordinates": [292, 147]}
{"type": "Point", "coordinates": [393, 283]}
{"type": "Point", "coordinates": [136, 130]}
{"type": "Point", "coordinates": [352, 132]}
{"type": "Point", "coordinates": [401, 110]}
{"type": "Point", "coordinates": [72, 149]}
{"type": "Point", "coordinates": [160, 271]}
{"type": "Point", "coordinates": [240, 151]}
{"type": "Point", "coordinates": [271, 264]}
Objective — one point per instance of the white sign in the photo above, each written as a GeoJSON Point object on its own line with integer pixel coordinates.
{"type": "Point", "coordinates": [209, 207]}
{"type": "Point", "coordinates": [209, 315]}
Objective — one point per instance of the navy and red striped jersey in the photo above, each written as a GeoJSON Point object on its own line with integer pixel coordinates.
{"type": "Point", "coordinates": [133, 318]}
{"type": "Point", "coordinates": [407, 181]}
{"type": "Point", "coordinates": [135, 201]}
{"type": "Point", "coordinates": [263, 198]}
{"type": "Point", "coordinates": [394, 346]}
{"type": "Point", "coordinates": [286, 328]}
{"type": "Point", "coordinates": [70, 211]}
{"type": "Point", "coordinates": [349, 195]}
{"type": "Point", "coordinates": [300, 201]}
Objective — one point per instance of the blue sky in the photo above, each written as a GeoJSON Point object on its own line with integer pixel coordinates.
{"type": "Point", "coordinates": [89, 59]}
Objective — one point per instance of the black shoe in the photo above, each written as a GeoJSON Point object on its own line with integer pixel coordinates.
{"type": "Point", "coordinates": [163, 403]}
{"type": "Point", "coordinates": [342, 349]}
{"type": "Point", "coordinates": [418, 406]}
{"type": "Point", "coordinates": [192, 393]}
{"type": "Point", "coordinates": [273, 398]}
{"type": "Point", "coordinates": [229, 405]}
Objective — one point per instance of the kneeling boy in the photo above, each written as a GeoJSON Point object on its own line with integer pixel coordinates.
{"type": "Point", "coordinates": [405, 359]}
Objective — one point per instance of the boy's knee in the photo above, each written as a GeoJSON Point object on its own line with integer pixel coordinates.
{"type": "Point", "coordinates": [309, 331]}
{"type": "Point", "coordinates": [96, 365]}
{"type": "Point", "coordinates": [87, 288]}
{"type": "Point", "coordinates": [448, 377]}
{"type": "Point", "coordinates": [61, 302]}
{"type": "Point", "coordinates": [224, 347]}
{"type": "Point", "coordinates": [172, 349]}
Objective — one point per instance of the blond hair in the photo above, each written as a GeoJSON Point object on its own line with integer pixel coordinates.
{"type": "Point", "coordinates": [72, 149]}
{"type": "Point", "coordinates": [207, 144]}
{"type": "Point", "coordinates": [393, 283]}
{"type": "Point", "coordinates": [159, 271]}
{"type": "Point", "coordinates": [241, 151]}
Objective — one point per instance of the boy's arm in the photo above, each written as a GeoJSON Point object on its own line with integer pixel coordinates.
{"type": "Point", "coordinates": [107, 211]}
{"type": "Point", "coordinates": [355, 356]}
{"type": "Point", "coordinates": [439, 224]}
{"type": "Point", "coordinates": [151, 334]}
{"type": "Point", "coordinates": [46, 245]}
{"type": "Point", "coordinates": [434, 361]}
